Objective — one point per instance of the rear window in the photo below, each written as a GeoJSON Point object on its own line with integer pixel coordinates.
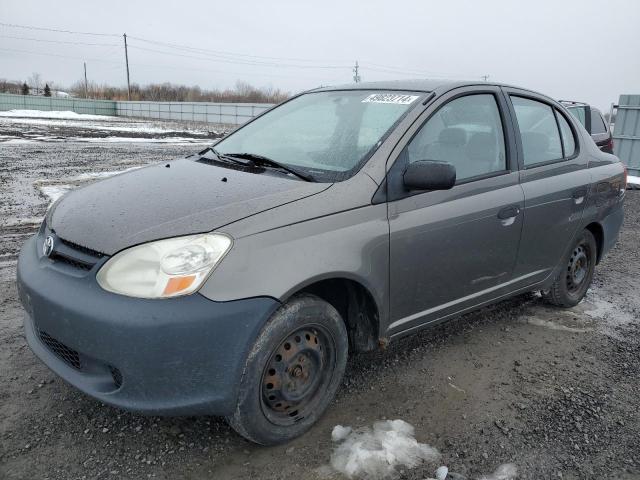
{"type": "Point", "coordinates": [597, 122]}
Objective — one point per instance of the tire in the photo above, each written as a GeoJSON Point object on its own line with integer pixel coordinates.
{"type": "Point", "coordinates": [574, 278]}
{"type": "Point", "coordinates": [292, 372]}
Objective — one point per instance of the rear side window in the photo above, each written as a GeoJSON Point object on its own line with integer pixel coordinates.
{"type": "Point", "coordinates": [568, 140]}
{"type": "Point", "coordinates": [541, 141]}
{"type": "Point", "coordinates": [597, 123]}
{"type": "Point", "coordinates": [467, 133]}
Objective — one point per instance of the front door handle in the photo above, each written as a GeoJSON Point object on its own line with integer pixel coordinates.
{"type": "Point", "coordinates": [508, 215]}
{"type": "Point", "coordinates": [509, 212]}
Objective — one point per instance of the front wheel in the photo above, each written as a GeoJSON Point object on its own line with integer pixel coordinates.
{"type": "Point", "coordinates": [574, 279]}
{"type": "Point", "coordinates": [292, 373]}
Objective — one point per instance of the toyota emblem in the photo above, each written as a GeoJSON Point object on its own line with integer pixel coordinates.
{"type": "Point", "coordinates": [47, 246]}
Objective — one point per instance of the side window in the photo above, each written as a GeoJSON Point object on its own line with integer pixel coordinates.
{"type": "Point", "coordinates": [568, 140]}
{"type": "Point", "coordinates": [597, 123]}
{"type": "Point", "coordinates": [466, 132]}
{"type": "Point", "coordinates": [538, 131]}
{"type": "Point", "coordinates": [579, 113]}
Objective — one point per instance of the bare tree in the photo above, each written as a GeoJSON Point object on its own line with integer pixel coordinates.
{"type": "Point", "coordinates": [35, 81]}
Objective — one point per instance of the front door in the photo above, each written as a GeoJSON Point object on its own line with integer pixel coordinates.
{"type": "Point", "coordinates": [450, 250]}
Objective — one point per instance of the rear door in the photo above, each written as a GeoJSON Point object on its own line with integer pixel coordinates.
{"type": "Point", "coordinates": [450, 250]}
{"type": "Point", "coordinates": [554, 178]}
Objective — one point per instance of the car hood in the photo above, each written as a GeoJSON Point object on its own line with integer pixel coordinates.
{"type": "Point", "coordinates": [180, 198]}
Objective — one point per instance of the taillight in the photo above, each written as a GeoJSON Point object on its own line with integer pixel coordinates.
{"type": "Point", "coordinates": [626, 176]}
{"type": "Point", "coordinates": [610, 145]}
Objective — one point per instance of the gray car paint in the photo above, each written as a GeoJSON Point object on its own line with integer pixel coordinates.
{"type": "Point", "coordinates": [180, 198]}
{"type": "Point", "coordinates": [308, 232]}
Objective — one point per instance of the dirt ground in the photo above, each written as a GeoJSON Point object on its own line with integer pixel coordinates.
{"type": "Point", "coordinates": [553, 391]}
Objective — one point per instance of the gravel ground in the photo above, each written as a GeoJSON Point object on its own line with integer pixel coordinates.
{"type": "Point", "coordinates": [552, 391]}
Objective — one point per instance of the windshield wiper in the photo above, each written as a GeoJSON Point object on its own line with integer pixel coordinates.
{"type": "Point", "coordinates": [262, 160]}
{"type": "Point", "coordinates": [221, 156]}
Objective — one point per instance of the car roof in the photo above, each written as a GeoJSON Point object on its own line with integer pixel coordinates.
{"type": "Point", "coordinates": [422, 85]}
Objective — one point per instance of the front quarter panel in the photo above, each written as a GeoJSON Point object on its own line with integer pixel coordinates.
{"type": "Point", "coordinates": [352, 244]}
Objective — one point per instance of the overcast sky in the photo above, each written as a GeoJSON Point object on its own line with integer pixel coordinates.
{"type": "Point", "coordinates": [576, 49]}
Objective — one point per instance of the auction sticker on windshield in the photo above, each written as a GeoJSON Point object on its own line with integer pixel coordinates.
{"type": "Point", "coordinates": [390, 98]}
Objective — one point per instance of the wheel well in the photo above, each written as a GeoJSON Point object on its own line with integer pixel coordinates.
{"type": "Point", "coordinates": [356, 306]}
{"type": "Point", "coordinates": [598, 234]}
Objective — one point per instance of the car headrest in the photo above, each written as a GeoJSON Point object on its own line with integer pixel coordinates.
{"type": "Point", "coordinates": [453, 136]}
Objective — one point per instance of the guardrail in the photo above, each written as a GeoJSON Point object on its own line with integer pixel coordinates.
{"type": "Point", "coordinates": [207, 112]}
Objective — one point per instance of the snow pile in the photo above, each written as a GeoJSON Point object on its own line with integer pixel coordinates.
{"type": "Point", "coordinates": [383, 451]}
{"type": "Point", "coordinates": [377, 453]}
{"type": "Point", "coordinates": [55, 114]}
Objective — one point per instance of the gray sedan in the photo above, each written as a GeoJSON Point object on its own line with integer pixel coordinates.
{"type": "Point", "coordinates": [235, 282]}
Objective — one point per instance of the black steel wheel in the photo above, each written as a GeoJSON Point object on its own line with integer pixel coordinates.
{"type": "Point", "coordinates": [292, 372]}
{"type": "Point", "coordinates": [578, 268]}
{"type": "Point", "coordinates": [576, 273]}
{"type": "Point", "coordinates": [297, 373]}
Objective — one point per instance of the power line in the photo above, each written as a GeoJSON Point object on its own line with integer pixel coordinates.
{"type": "Point", "coordinates": [218, 56]}
{"type": "Point", "coordinates": [61, 41]}
{"type": "Point", "coordinates": [239, 62]}
{"type": "Point", "coordinates": [28, 27]}
{"type": "Point", "coordinates": [188, 48]}
{"type": "Point", "coordinates": [118, 64]}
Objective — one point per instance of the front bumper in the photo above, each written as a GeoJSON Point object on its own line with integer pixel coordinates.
{"type": "Point", "coordinates": [178, 356]}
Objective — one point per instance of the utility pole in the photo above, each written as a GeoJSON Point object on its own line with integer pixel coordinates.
{"type": "Point", "coordinates": [126, 57]}
{"type": "Point", "coordinates": [356, 76]}
{"type": "Point", "coordinates": [485, 78]}
{"type": "Point", "coordinates": [86, 88]}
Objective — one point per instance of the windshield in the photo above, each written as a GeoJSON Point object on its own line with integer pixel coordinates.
{"type": "Point", "coordinates": [328, 135]}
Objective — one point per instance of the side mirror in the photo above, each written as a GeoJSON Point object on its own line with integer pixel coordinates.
{"type": "Point", "coordinates": [429, 175]}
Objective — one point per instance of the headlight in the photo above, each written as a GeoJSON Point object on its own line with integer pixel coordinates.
{"type": "Point", "coordinates": [166, 268]}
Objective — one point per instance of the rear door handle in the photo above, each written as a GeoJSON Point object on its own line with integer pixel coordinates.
{"type": "Point", "coordinates": [509, 212]}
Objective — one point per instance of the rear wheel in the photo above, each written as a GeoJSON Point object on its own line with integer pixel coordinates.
{"type": "Point", "coordinates": [574, 279]}
{"type": "Point", "coordinates": [292, 373]}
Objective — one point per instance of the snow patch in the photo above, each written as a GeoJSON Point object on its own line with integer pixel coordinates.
{"type": "Point", "coordinates": [55, 114]}
{"type": "Point", "coordinates": [508, 471]}
{"type": "Point", "coordinates": [339, 433]}
{"type": "Point", "coordinates": [634, 181]}
{"type": "Point", "coordinates": [540, 322]}
{"type": "Point", "coordinates": [377, 453]}
{"type": "Point", "coordinates": [54, 192]}
{"type": "Point", "coordinates": [441, 473]}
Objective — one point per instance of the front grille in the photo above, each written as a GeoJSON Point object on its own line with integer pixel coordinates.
{"type": "Point", "coordinates": [66, 354]}
{"type": "Point", "coordinates": [56, 257]}
{"type": "Point", "coordinates": [82, 249]}
{"type": "Point", "coordinates": [77, 256]}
